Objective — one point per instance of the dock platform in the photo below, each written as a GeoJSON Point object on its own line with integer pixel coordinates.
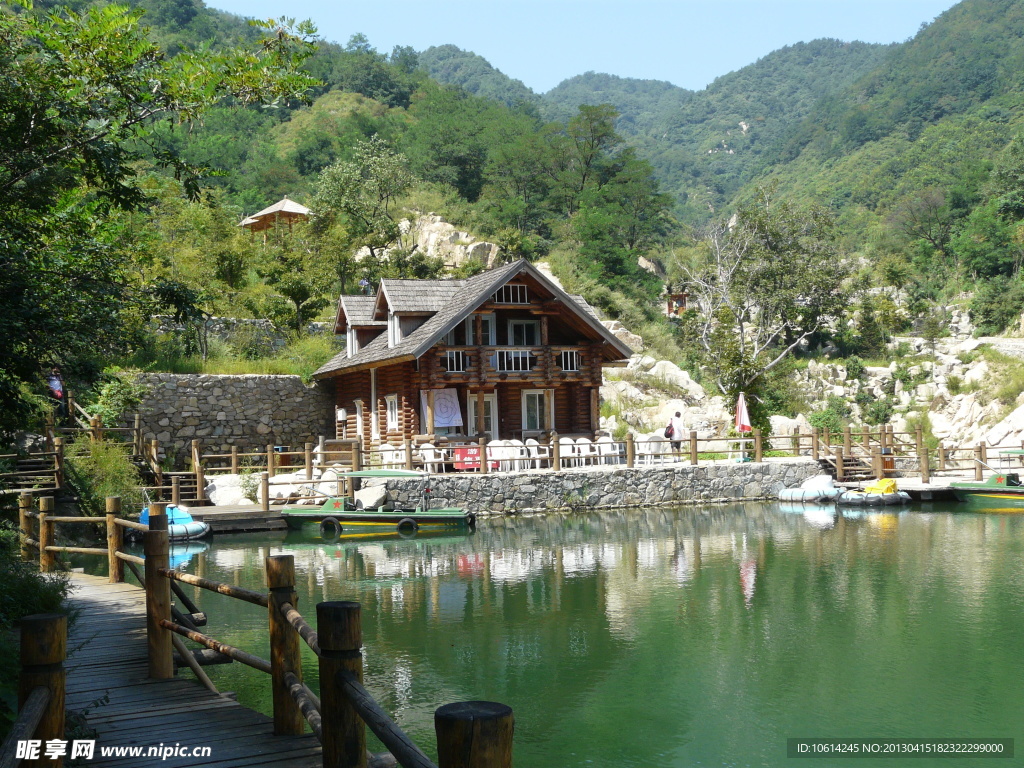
{"type": "Point", "coordinates": [107, 677]}
{"type": "Point", "coordinates": [240, 519]}
{"type": "Point", "coordinates": [938, 489]}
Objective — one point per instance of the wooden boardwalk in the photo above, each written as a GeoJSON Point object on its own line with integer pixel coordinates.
{"type": "Point", "coordinates": [238, 519]}
{"type": "Point", "coordinates": [107, 657]}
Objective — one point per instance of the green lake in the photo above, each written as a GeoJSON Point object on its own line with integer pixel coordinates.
{"type": "Point", "coordinates": [684, 637]}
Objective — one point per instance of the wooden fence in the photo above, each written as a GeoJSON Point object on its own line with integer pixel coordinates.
{"type": "Point", "coordinates": [44, 638]}
{"type": "Point", "coordinates": [469, 734]}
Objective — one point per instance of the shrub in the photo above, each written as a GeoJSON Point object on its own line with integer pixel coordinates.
{"type": "Point", "coordinates": [955, 385]}
{"type": "Point", "coordinates": [120, 392]}
{"type": "Point", "coordinates": [833, 417]}
{"type": "Point", "coordinates": [855, 367]}
{"type": "Point", "coordinates": [23, 591]}
{"type": "Point", "coordinates": [99, 468]}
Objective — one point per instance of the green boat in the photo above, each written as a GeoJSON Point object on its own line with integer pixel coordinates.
{"type": "Point", "coordinates": [338, 516]}
{"type": "Point", "coordinates": [1000, 493]}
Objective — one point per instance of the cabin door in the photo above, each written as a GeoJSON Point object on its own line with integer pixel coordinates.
{"type": "Point", "coordinates": [490, 415]}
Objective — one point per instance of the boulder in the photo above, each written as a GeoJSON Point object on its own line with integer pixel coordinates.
{"type": "Point", "coordinates": [672, 374]}
{"type": "Point", "coordinates": [226, 490]}
{"type": "Point", "coordinates": [371, 498]}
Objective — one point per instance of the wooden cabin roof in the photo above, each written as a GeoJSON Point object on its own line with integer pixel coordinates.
{"type": "Point", "coordinates": [464, 296]}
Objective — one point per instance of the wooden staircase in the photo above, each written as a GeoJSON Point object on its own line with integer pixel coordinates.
{"type": "Point", "coordinates": [855, 467]}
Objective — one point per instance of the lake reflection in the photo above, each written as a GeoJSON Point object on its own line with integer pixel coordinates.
{"type": "Point", "coordinates": [671, 637]}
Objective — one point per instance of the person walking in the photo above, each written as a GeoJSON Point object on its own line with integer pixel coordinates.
{"type": "Point", "coordinates": [678, 430]}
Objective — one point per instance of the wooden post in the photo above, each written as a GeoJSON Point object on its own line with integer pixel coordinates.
{"type": "Point", "coordinates": [474, 734]}
{"type": "Point", "coordinates": [430, 413]}
{"type": "Point", "coordinates": [156, 545]}
{"type": "Point", "coordinates": [840, 458]}
{"type": "Point", "coordinates": [25, 524]}
{"type": "Point", "coordinates": [866, 438]}
{"type": "Point", "coordinates": [307, 458]}
{"type": "Point", "coordinates": [827, 438]}
{"type": "Point", "coordinates": [848, 440]}
{"type": "Point", "coordinates": [339, 631]}
{"type": "Point", "coordinates": [481, 403]}
{"type": "Point", "coordinates": [265, 490]}
{"type": "Point", "coordinates": [408, 454]}
{"type": "Point", "coordinates": [484, 465]}
{"type": "Point", "coordinates": [270, 460]}
{"type": "Point", "coordinates": [58, 461]}
{"type": "Point", "coordinates": [556, 453]}
{"type": "Point", "coordinates": [51, 430]}
{"type": "Point", "coordinates": [693, 447]}
{"type": "Point", "coordinates": [814, 443]}
{"type": "Point", "coordinates": [630, 450]}
{"type": "Point", "coordinates": [44, 638]}
{"type": "Point", "coordinates": [234, 459]}
{"type": "Point", "coordinates": [137, 442]}
{"type": "Point", "coordinates": [357, 456]}
{"type": "Point", "coordinates": [175, 490]}
{"type": "Point", "coordinates": [926, 476]}
{"type": "Point", "coordinates": [758, 446]}
{"type": "Point", "coordinates": [285, 655]}
{"type": "Point", "coordinates": [115, 541]}
{"type": "Point", "coordinates": [47, 560]}
{"type": "Point", "coordinates": [942, 457]}
{"type": "Point", "coordinates": [984, 451]}
{"type": "Point", "coordinates": [919, 440]}
{"type": "Point", "coordinates": [978, 477]}
{"type": "Point", "coordinates": [876, 464]}
{"type": "Point", "coordinates": [795, 441]}
{"type": "Point", "coordinates": [197, 467]}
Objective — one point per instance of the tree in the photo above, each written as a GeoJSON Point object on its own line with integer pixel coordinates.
{"type": "Point", "coordinates": [762, 287]}
{"type": "Point", "coordinates": [79, 91]}
{"type": "Point", "coordinates": [360, 195]}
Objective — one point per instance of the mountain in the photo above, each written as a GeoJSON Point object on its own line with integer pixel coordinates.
{"type": "Point", "coordinates": [451, 65]}
{"type": "Point", "coordinates": [643, 105]}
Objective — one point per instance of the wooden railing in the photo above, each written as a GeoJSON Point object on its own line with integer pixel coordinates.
{"type": "Point", "coordinates": [34, 472]}
{"type": "Point", "coordinates": [39, 532]}
{"type": "Point", "coordinates": [469, 734]}
{"type": "Point", "coordinates": [40, 691]}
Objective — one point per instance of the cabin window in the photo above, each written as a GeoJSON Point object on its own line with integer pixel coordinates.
{"type": "Point", "coordinates": [511, 294]}
{"type": "Point", "coordinates": [359, 418]}
{"type": "Point", "coordinates": [523, 333]}
{"type": "Point", "coordinates": [352, 341]}
{"type": "Point", "coordinates": [569, 360]}
{"type": "Point", "coordinates": [487, 324]}
{"type": "Point", "coordinates": [391, 403]}
{"type": "Point", "coordinates": [534, 403]}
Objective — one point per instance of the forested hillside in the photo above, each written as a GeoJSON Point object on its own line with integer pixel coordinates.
{"type": "Point", "coordinates": [900, 164]}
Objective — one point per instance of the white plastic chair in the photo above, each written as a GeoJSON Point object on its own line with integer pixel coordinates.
{"type": "Point", "coordinates": [537, 453]}
{"type": "Point", "coordinates": [567, 451]}
{"type": "Point", "coordinates": [585, 451]}
{"type": "Point", "coordinates": [388, 457]}
{"type": "Point", "coordinates": [517, 451]}
{"type": "Point", "coordinates": [432, 458]}
{"type": "Point", "coordinates": [496, 453]}
{"type": "Point", "coordinates": [607, 451]}
{"type": "Point", "coordinates": [644, 454]}
{"type": "Point", "coordinates": [659, 448]}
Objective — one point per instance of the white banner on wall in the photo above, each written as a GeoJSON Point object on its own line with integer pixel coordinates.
{"type": "Point", "coordinates": [446, 407]}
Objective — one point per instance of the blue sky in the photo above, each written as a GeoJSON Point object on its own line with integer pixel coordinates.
{"type": "Point", "coordinates": [543, 42]}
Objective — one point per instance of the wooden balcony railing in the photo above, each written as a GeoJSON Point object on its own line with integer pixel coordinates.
{"type": "Point", "coordinates": [537, 363]}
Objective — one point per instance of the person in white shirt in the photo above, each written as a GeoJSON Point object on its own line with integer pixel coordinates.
{"type": "Point", "coordinates": [678, 430]}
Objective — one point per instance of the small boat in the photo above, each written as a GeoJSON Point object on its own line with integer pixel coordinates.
{"type": "Point", "coordinates": [882, 493]}
{"type": "Point", "coordinates": [819, 489]}
{"type": "Point", "coordinates": [180, 525]}
{"type": "Point", "coordinates": [1000, 493]}
{"type": "Point", "coordinates": [340, 515]}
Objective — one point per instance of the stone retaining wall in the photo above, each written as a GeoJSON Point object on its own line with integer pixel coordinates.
{"type": "Point", "coordinates": [248, 411]}
{"type": "Point", "coordinates": [601, 488]}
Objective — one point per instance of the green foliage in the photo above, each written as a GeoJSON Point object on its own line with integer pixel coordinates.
{"type": "Point", "coordinates": [997, 303]}
{"type": "Point", "coordinates": [833, 417]}
{"type": "Point", "coordinates": [97, 469]}
{"type": "Point", "coordinates": [79, 91]}
{"type": "Point", "coordinates": [23, 592]}
{"type": "Point", "coordinates": [119, 393]}
{"type": "Point", "coordinates": [854, 367]}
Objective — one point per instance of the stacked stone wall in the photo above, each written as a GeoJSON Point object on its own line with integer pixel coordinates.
{"type": "Point", "coordinates": [247, 411]}
{"type": "Point", "coordinates": [603, 488]}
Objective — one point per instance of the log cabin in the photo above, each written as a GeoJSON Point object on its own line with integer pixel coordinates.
{"type": "Point", "coordinates": [505, 354]}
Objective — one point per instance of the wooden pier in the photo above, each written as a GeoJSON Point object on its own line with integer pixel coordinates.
{"type": "Point", "coordinates": [143, 712]}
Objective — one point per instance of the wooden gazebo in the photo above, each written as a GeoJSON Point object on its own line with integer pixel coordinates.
{"type": "Point", "coordinates": [285, 211]}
